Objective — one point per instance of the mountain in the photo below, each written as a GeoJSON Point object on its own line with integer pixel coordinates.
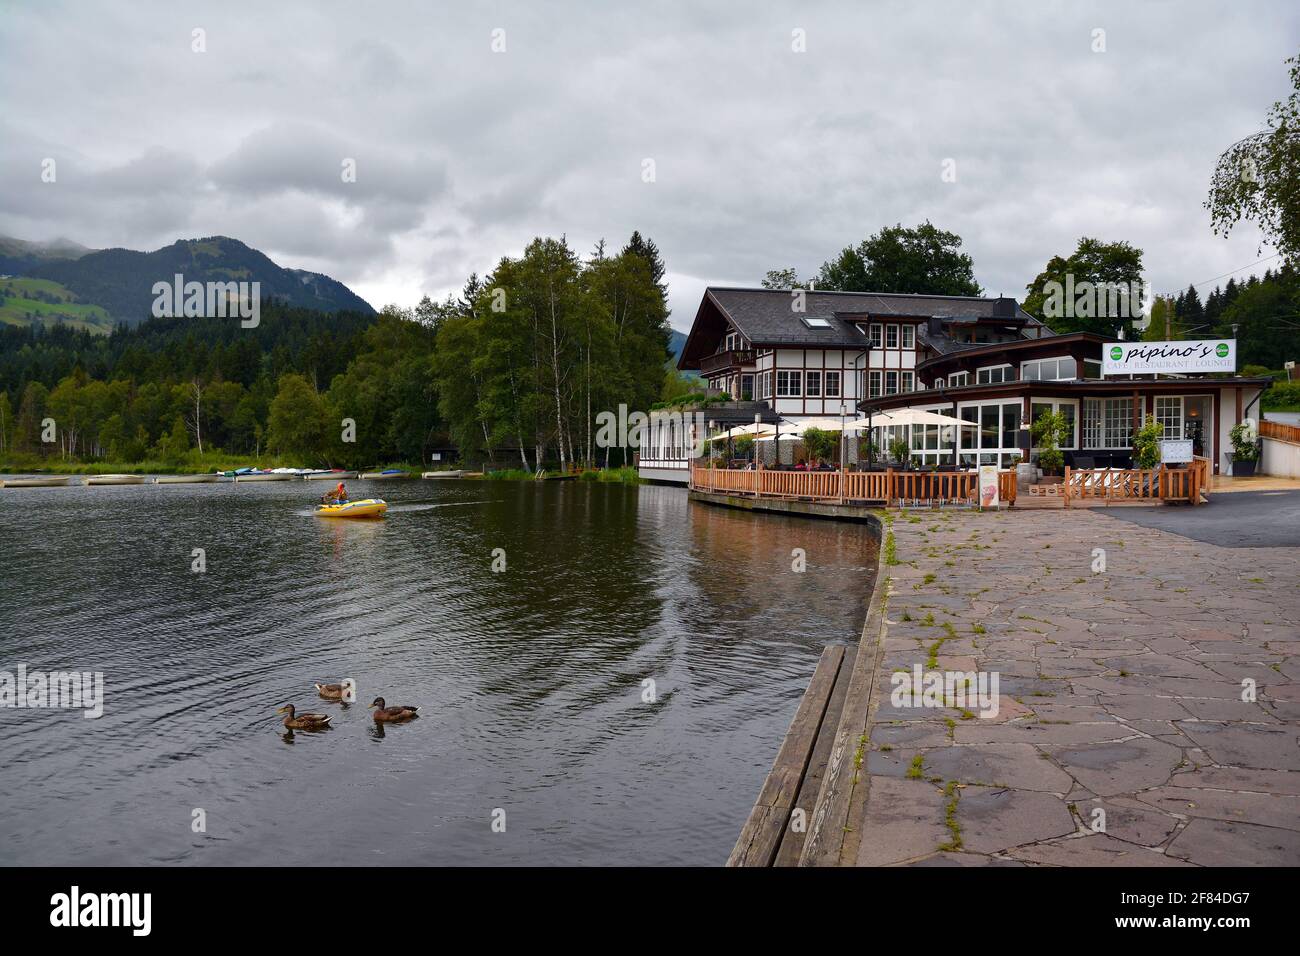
{"type": "Point", "coordinates": [676, 343]}
{"type": "Point", "coordinates": [18, 256]}
{"type": "Point", "coordinates": [121, 281]}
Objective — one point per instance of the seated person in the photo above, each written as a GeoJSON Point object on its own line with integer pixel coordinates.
{"type": "Point", "coordinates": [338, 496]}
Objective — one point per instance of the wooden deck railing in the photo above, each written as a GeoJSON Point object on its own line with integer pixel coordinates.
{"type": "Point", "coordinates": [884, 487]}
{"type": "Point", "coordinates": [1279, 431]}
{"type": "Point", "coordinates": [1137, 484]}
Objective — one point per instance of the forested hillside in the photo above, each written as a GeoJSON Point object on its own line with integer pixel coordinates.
{"type": "Point", "coordinates": [518, 365]}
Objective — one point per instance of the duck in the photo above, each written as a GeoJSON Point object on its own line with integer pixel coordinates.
{"type": "Point", "coordinates": [303, 721]}
{"type": "Point", "coordinates": [389, 715]}
{"type": "Point", "coordinates": [333, 691]}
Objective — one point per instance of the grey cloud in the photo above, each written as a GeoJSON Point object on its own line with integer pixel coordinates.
{"type": "Point", "coordinates": [765, 157]}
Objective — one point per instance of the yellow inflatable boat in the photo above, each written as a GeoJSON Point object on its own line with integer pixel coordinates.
{"type": "Point", "coordinates": [365, 508]}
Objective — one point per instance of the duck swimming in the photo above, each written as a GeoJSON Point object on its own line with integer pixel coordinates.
{"type": "Point", "coordinates": [303, 721]}
{"type": "Point", "coordinates": [391, 715]}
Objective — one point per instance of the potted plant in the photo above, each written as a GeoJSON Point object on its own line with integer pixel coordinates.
{"type": "Point", "coordinates": [744, 446]}
{"type": "Point", "coordinates": [819, 444]}
{"type": "Point", "coordinates": [1245, 448]}
{"type": "Point", "coordinates": [900, 451]}
{"type": "Point", "coordinates": [1146, 444]}
{"type": "Point", "coordinates": [1048, 431]}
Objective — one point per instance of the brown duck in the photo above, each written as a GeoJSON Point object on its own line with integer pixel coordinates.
{"type": "Point", "coordinates": [391, 715]}
{"type": "Point", "coordinates": [333, 691]}
{"type": "Point", "coordinates": [304, 721]}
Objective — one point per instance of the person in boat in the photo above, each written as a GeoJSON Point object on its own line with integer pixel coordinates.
{"type": "Point", "coordinates": [338, 496]}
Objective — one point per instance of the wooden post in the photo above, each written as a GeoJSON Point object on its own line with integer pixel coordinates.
{"type": "Point", "coordinates": [1065, 489]}
{"type": "Point", "coordinates": [889, 486]}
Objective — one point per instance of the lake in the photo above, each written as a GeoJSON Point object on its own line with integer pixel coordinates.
{"type": "Point", "coordinates": [531, 680]}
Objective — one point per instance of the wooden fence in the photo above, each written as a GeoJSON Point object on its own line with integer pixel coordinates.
{"type": "Point", "coordinates": [882, 487]}
{"type": "Point", "coordinates": [1137, 484]}
{"type": "Point", "coordinates": [1279, 431]}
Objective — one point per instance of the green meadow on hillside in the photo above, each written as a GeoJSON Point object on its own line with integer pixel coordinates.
{"type": "Point", "coordinates": [26, 301]}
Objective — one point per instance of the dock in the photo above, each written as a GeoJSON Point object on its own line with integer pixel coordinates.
{"type": "Point", "coordinates": [776, 829]}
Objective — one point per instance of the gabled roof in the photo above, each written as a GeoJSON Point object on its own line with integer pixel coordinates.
{"type": "Point", "coordinates": [767, 317]}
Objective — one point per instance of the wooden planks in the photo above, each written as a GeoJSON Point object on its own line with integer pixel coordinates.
{"type": "Point", "coordinates": [795, 777]}
{"type": "Point", "coordinates": [806, 800]}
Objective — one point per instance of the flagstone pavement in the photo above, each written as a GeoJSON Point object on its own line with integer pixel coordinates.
{"type": "Point", "coordinates": [1161, 689]}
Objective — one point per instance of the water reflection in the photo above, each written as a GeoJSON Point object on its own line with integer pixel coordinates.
{"type": "Point", "coordinates": [532, 680]}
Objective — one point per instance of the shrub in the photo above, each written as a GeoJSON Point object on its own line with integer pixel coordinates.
{"type": "Point", "coordinates": [1245, 443]}
{"type": "Point", "coordinates": [1048, 432]}
{"type": "Point", "coordinates": [1146, 444]}
{"type": "Point", "coordinates": [819, 444]}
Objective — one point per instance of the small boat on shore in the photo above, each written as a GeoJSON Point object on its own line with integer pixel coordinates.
{"type": "Point", "coordinates": [365, 508]}
{"type": "Point", "coordinates": [186, 479]}
{"type": "Point", "coordinates": [324, 475]}
{"type": "Point", "coordinates": [44, 481]}
{"type": "Point", "coordinates": [115, 479]}
{"type": "Point", "coordinates": [442, 474]}
{"type": "Point", "coordinates": [388, 475]}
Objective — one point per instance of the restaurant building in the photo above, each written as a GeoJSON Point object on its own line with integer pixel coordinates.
{"type": "Point", "coordinates": [983, 360]}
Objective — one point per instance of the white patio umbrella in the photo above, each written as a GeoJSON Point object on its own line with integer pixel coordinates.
{"type": "Point", "coordinates": [825, 424]}
{"type": "Point", "coordinates": [785, 436]}
{"type": "Point", "coordinates": [750, 429]}
{"type": "Point", "coordinates": [907, 416]}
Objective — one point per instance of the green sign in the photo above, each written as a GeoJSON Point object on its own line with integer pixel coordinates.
{"type": "Point", "coordinates": [1222, 350]}
{"type": "Point", "coordinates": [1116, 353]}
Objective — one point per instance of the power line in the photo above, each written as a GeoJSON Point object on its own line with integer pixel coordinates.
{"type": "Point", "coordinates": [1224, 276]}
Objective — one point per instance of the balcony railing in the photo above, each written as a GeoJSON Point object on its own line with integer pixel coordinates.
{"type": "Point", "coordinates": [733, 358]}
{"type": "Point", "coordinates": [886, 487]}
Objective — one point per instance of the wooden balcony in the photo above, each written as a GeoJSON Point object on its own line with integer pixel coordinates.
{"type": "Point", "coordinates": [732, 359]}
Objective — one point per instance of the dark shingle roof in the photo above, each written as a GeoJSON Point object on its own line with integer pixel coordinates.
{"type": "Point", "coordinates": [766, 316]}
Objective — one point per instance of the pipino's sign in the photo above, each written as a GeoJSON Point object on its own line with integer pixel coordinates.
{"type": "Point", "coordinates": [1137, 358]}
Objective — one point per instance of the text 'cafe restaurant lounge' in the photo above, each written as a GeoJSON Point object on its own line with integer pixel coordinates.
{"type": "Point", "coordinates": [1104, 390]}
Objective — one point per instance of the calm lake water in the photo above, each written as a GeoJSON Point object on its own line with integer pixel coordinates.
{"type": "Point", "coordinates": [530, 680]}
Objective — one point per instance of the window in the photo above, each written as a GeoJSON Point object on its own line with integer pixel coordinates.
{"type": "Point", "coordinates": [1048, 370]}
{"type": "Point", "coordinates": [989, 431]}
{"type": "Point", "coordinates": [1010, 426]}
{"type": "Point", "coordinates": [1119, 423]}
{"type": "Point", "coordinates": [1091, 423]}
{"type": "Point", "coordinates": [970, 436]}
{"type": "Point", "coordinates": [875, 334]}
{"type": "Point", "coordinates": [875, 384]}
{"type": "Point", "coordinates": [1067, 411]}
{"type": "Point", "coordinates": [938, 383]}
{"type": "Point", "coordinates": [747, 387]}
{"type": "Point", "coordinates": [891, 336]}
{"type": "Point", "coordinates": [765, 385]}
{"type": "Point", "coordinates": [832, 384]}
{"type": "Point", "coordinates": [1169, 413]}
{"type": "Point", "coordinates": [891, 383]}
{"type": "Point", "coordinates": [908, 379]}
{"type": "Point", "coordinates": [1107, 423]}
{"type": "Point", "coordinates": [813, 384]}
{"type": "Point", "coordinates": [909, 336]}
{"type": "Point", "coordinates": [998, 373]}
{"type": "Point", "coordinates": [788, 384]}
{"type": "Point", "coordinates": [958, 379]}
{"type": "Point", "coordinates": [816, 322]}
{"type": "Point", "coordinates": [1091, 369]}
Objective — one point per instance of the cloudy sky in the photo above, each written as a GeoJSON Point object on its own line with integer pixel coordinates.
{"type": "Point", "coordinates": [763, 155]}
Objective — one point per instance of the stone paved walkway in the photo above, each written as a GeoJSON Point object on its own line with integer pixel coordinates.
{"type": "Point", "coordinates": [1120, 690]}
